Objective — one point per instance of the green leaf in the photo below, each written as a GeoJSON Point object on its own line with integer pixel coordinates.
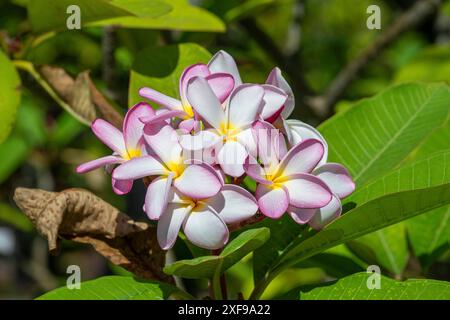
{"type": "Point", "coordinates": [115, 288]}
{"type": "Point", "coordinates": [389, 246]}
{"type": "Point", "coordinates": [182, 17]}
{"type": "Point", "coordinates": [355, 287]}
{"type": "Point", "coordinates": [205, 267]}
{"type": "Point", "coordinates": [51, 15]}
{"type": "Point", "coordinates": [376, 134]}
{"type": "Point", "coordinates": [9, 95]}
{"type": "Point", "coordinates": [369, 217]}
{"type": "Point", "coordinates": [432, 64]}
{"type": "Point", "coordinates": [334, 265]}
{"type": "Point", "coordinates": [283, 232]}
{"type": "Point", "coordinates": [15, 218]}
{"type": "Point", "coordinates": [160, 68]}
{"type": "Point", "coordinates": [429, 235]}
{"type": "Point", "coordinates": [395, 197]}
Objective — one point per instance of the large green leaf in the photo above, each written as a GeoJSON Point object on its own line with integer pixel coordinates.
{"type": "Point", "coordinates": [50, 15]}
{"type": "Point", "coordinates": [116, 288]}
{"type": "Point", "coordinates": [282, 233]}
{"type": "Point", "coordinates": [9, 95]}
{"type": "Point", "coordinates": [375, 136]}
{"type": "Point", "coordinates": [160, 68]}
{"type": "Point", "coordinates": [383, 202]}
{"type": "Point", "coordinates": [206, 267]}
{"type": "Point", "coordinates": [183, 16]}
{"type": "Point", "coordinates": [388, 245]}
{"type": "Point", "coordinates": [378, 133]}
{"type": "Point", "coordinates": [355, 287]}
{"type": "Point", "coordinates": [396, 197]}
{"type": "Point", "coordinates": [429, 234]}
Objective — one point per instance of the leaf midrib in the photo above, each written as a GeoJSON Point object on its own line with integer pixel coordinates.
{"type": "Point", "coordinates": [396, 135]}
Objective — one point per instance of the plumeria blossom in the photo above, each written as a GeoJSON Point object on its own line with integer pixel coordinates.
{"type": "Point", "coordinates": [221, 84]}
{"type": "Point", "coordinates": [222, 128]}
{"type": "Point", "coordinates": [229, 127]}
{"type": "Point", "coordinates": [341, 185]}
{"type": "Point", "coordinates": [196, 181]}
{"type": "Point", "coordinates": [126, 145]}
{"type": "Point", "coordinates": [275, 110]}
{"type": "Point", "coordinates": [285, 182]}
{"type": "Point", "coordinates": [204, 221]}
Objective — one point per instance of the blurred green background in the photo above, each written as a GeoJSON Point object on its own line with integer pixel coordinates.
{"type": "Point", "coordinates": [311, 40]}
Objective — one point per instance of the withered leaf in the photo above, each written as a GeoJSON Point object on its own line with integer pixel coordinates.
{"type": "Point", "coordinates": [80, 216]}
{"type": "Point", "coordinates": [81, 95]}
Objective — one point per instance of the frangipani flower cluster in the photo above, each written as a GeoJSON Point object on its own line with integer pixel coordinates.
{"type": "Point", "coordinates": [197, 149]}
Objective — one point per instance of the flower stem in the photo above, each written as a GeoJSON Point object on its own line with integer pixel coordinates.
{"type": "Point", "coordinates": [218, 282]}
{"type": "Point", "coordinates": [29, 67]}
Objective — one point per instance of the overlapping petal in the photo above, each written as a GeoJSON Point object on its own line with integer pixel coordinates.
{"type": "Point", "coordinates": [204, 228]}
{"type": "Point", "coordinates": [198, 181]}
{"type": "Point", "coordinates": [337, 177]}
{"type": "Point", "coordinates": [233, 204]}
{"type": "Point", "coordinates": [307, 191]}
{"type": "Point", "coordinates": [224, 62]}
{"type": "Point", "coordinates": [273, 201]}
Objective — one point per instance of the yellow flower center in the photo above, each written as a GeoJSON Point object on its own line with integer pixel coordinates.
{"type": "Point", "coordinates": [176, 167]}
{"type": "Point", "coordinates": [189, 111]}
{"type": "Point", "coordinates": [133, 153]}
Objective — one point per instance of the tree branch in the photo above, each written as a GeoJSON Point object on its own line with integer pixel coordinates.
{"type": "Point", "coordinates": [419, 11]}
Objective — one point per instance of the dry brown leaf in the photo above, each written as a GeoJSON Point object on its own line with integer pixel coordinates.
{"type": "Point", "coordinates": [80, 216]}
{"type": "Point", "coordinates": [82, 95]}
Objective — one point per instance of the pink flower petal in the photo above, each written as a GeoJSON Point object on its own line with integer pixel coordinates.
{"type": "Point", "coordinates": [303, 157]}
{"type": "Point", "coordinates": [337, 177]}
{"type": "Point", "coordinates": [189, 125]}
{"type": "Point", "coordinates": [275, 78]}
{"type": "Point", "coordinates": [300, 131]}
{"type": "Point", "coordinates": [244, 105]}
{"type": "Point", "coordinates": [198, 181]}
{"type": "Point", "coordinates": [300, 215]}
{"type": "Point", "coordinates": [233, 204]}
{"type": "Point", "coordinates": [205, 229]}
{"type": "Point", "coordinates": [156, 198]}
{"type": "Point", "coordinates": [223, 62]}
{"type": "Point", "coordinates": [274, 100]}
{"type": "Point", "coordinates": [325, 215]}
{"type": "Point", "coordinates": [195, 70]}
{"type": "Point", "coordinates": [204, 101]}
{"type": "Point", "coordinates": [133, 127]}
{"type": "Point", "coordinates": [307, 191]}
{"type": "Point", "coordinates": [138, 168]}
{"type": "Point", "coordinates": [160, 98]}
{"type": "Point", "coordinates": [231, 158]}
{"type": "Point", "coordinates": [122, 187]}
{"type": "Point", "coordinates": [161, 117]}
{"type": "Point", "coordinates": [97, 163]}
{"type": "Point", "coordinates": [222, 84]}
{"type": "Point", "coordinates": [170, 223]}
{"type": "Point", "coordinates": [273, 201]}
{"type": "Point", "coordinates": [109, 135]}
{"type": "Point", "coordinates": [164, 142]}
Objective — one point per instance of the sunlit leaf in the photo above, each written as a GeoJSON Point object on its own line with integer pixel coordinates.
{"type": "Point", "coordinates": [160, 68]}
{"type": "Point", "coordinates": [355, 287]}
{"type": "Point", "coordinates": [206, 266]}
{"type": "Point", "coordinates": [114, 288]}
{"type": "Point", "coordinates": [9, 95]}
